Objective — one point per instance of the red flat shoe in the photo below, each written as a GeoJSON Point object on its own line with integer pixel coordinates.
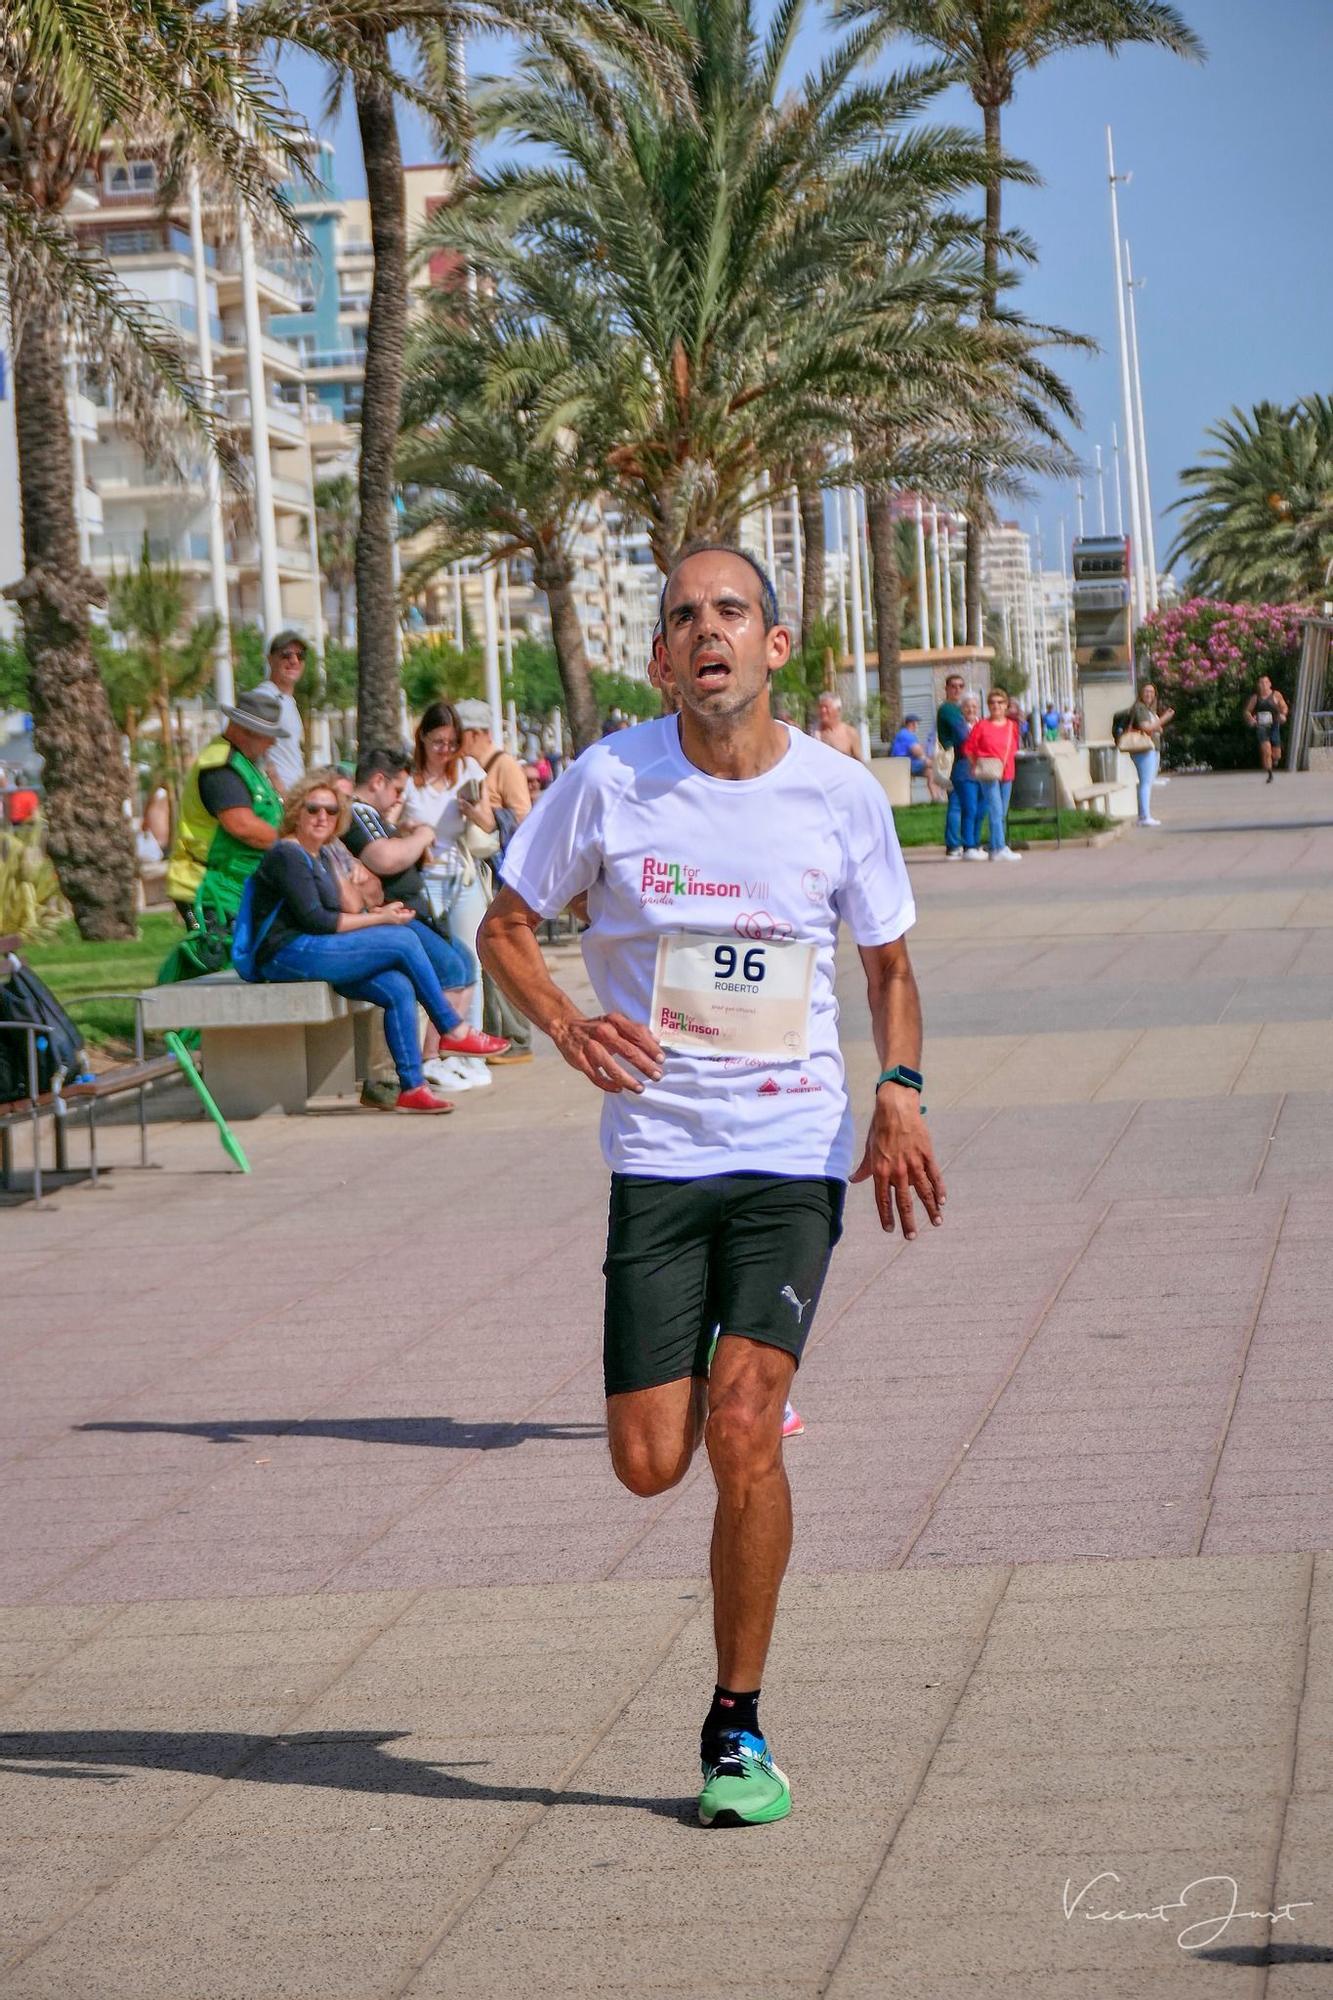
{"type": "Point", "coordinates": [472, 1042]}
{"type": "Point", "coordinates": [423, 1098]}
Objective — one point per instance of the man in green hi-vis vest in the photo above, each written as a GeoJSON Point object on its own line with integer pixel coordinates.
{"type": "Point", "coordinates": [230, 811]}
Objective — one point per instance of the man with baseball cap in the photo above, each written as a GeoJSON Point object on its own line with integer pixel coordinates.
{"type": "Point", "coordinates": [286, 663]}
{"type": "Point", "coordinates": [230, 810]}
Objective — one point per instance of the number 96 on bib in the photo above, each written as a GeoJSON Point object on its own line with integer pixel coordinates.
{"type": "Point", "coordinates": [731, 996]}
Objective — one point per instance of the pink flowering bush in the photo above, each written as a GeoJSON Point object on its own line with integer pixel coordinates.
{"type": "Point", "coordinates": [1206, 658]}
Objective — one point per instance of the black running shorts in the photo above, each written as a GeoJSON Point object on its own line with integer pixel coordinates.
{"type": "Point", "coordinates": [735, 1253]}
{"type": "Point", "coordinates": [1270, 732]}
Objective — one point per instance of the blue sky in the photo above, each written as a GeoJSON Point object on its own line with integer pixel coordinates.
{"type": "Point", "coordinates": [1226, 214]}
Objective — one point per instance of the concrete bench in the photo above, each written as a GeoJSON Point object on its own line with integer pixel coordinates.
{"type": "Point", "coordinates": [1086, 795]}
{"type": "Point", "coordinates": [268, 1048]}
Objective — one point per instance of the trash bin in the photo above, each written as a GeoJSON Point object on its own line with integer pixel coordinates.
{"type": "Point", "coordinates": [1034, 783]}
{"type": "Point", "coordinates": [1102, 763]}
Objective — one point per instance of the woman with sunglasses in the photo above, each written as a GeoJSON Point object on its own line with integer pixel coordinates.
{"type": "Point", "coordinates": [383, 955]}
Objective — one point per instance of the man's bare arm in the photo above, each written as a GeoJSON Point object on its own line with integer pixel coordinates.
{"type": "Point", "coordinates": [899, 1156]}
{"type": "Point", "coordinates": [389, 855]}
{"type": "Point", "coordinates": [244, 825]}
{"type": "Point", "coordinates": [606, 1048]}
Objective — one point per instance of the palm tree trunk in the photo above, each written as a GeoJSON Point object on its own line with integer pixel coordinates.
{"type": "Point", "coordinates": [886, 588]}
{"type": "Point", "coordinates": [976, 503]}
{"type": "Point", "coordinates": [381, 413]}
{"type": "Point", "coordinates": [570, 657]}
{"type": "Point", "coordinates": [810, 499]}
{"type": "Point", "coordinates": [87, 832]}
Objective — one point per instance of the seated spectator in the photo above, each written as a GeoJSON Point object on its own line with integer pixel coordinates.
{"type": "Point", "coordinates": [506, 793]}
{"type": "Point", "coordinates": [907, 743]}
{"type": "Point", "coordinates": [394, 854]}
{"type": "Point", "coordinates": [535, 782]}
{"type": "Point", "coordinates": [384, 955]}
{"type": "Point", "coordinates": [229, 812]}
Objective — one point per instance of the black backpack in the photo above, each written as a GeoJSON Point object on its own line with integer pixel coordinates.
{"type": "Point", "coordinates": [24, 1000]}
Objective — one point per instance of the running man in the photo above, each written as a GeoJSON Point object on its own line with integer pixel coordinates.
{"type": "Point", "coordinates": [1266, 711]}
{"type": "Point", "coordinates": [719, 850]}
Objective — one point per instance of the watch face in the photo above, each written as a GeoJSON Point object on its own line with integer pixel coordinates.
{"type": "Point", "coordinates": [901, 1074]}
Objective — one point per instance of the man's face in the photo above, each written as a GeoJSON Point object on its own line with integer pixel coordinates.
{"type": "Point", "coordinates": [474, 742]}
{"type": "Point", "coordinates": [250, 742]}
{"type": "Point", "coordinates": [953, 688]}
{"type": "Point", "coordinates": [716, 652]}
{"type": "Point", "coordinates": [286, 666]}
{"type": "Point", "coordinates": [384, 792]}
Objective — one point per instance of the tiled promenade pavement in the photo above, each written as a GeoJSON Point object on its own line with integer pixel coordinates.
{"type": "Point", "coordinates": [339, 1668]}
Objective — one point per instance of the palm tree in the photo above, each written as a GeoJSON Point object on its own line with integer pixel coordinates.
{"type": "Point", "coordinates": [357, 41]}
{"type": "Point", "coordinates": [336, 515]}
{"type": "Point", "coordinates": [1257, 515]}
{"type": "Point", "coordinates": [735, 233]}
{"type": "Point", "coordinates": [70, 72]}
{"type": "Point", "coordinates": [500, 467]}
{"type": "Point", "coordinates": [986, 46]}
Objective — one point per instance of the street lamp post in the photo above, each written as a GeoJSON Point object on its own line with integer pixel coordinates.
{"type": "Point", "coordinates": [1149, 538]}
{"type": "Point", "coordinates": [224, 686]}
{"type": "Point", "coordinates": [1126, 390]}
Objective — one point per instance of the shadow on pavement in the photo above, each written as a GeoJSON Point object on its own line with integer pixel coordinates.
{"type": "Point", "coordinates": [341, 1760]}
{"type": "Point", "coordinates": [442, 1433]}
{"type": "Point", "coordinates": [1269, 1954]}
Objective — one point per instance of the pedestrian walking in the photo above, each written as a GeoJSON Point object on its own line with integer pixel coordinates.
{"type": "Point", "coordinates": [719, 850]}
{"type": "Point", "coordinates": [991, 750]}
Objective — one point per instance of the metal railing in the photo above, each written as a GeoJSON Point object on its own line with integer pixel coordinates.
{"type": "Point", "coordinates": [1321, 729]}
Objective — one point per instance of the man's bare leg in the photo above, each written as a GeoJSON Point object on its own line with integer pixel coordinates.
{"type": "Point", "coordinates": [654, 1433]}
{"type": "Point", "coordinates": [752, 1529]}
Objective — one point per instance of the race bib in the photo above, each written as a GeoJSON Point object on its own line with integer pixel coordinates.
{"type": "Point", "coordinates": [728, 996]}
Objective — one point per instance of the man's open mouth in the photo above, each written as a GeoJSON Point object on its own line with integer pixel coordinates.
{"type": "Point", "coordinates": [711, 672]}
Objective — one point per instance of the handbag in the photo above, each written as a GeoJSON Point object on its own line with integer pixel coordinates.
{"type": "Point", "coordinates": [480, 844]}
{"type": "Point", "coordinates": [942, 763]}
{"type": "Point", "coordinates": [988, 770]}
{"type": "Point", "coordinates": [1135, 739]}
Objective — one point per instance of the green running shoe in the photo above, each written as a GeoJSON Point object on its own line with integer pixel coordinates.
{"type": "Point", "coordinates": [745, 1786]}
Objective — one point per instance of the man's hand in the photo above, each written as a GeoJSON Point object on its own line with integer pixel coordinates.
{"type": "Point", "coordinates": [900, 1158]}
{"type": "Point", "coordinates": [607, 1048]}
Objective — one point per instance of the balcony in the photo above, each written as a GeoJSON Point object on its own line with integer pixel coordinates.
{"type": "Point", "coordinates": [286, 420]}
{"type": "Point", "coordinates": [283, 287]}
{"type": "Point", "coordinates": [336, 361]}
{"type": "Point", "coordinates": [292, 494]}
{"type": "Point", "coordinates": [292, 561]}
{"type": "Point", "coordinates": [284, 354]}
{"type": "Point", "coordinates": [125, 549]}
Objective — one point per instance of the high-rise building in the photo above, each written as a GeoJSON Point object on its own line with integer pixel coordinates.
{"type": "Point", "coordinates": [151, 254]}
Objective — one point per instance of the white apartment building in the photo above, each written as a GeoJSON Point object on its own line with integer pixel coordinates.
{"type": "Point", "coordinates": [151, 255]}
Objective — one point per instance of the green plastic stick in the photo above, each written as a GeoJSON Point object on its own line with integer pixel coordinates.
{"type": "Point", "coordinates": [229, 1140]}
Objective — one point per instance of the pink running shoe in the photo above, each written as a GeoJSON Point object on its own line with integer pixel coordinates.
{"type": "Point", "coordinates": [793, 1423]}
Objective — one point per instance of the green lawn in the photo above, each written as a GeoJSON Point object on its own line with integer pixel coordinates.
{"type": "Point", "coordinates": [77, 972]}
{"type": "Point", "coordinates": [923, 826]}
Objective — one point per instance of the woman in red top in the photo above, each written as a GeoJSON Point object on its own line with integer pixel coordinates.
{"type": "Point", "coordinates": [990, 749]}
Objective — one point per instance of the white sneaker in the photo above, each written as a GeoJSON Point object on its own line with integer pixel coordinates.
{"type": "Point", "coordinates": [451, 1073]}
{"type": "Point", "coordinates": [974, 854]}
{"type": "Point", "coordinates": [954, 854]}
{"type": "Point", "coordinates": [1005, 854]}
{"type": "Point", "coordinates": [1149, 822]}
{"type": "Point", "coordinates": [475, 1070]}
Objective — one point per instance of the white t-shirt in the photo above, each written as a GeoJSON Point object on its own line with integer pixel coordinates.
{"type": "Point", "coordinates": [437, 805]}
{"type": "Point", "coordinates": [286, 756]}
{"type": "Point", "coordinates": [659, 845]}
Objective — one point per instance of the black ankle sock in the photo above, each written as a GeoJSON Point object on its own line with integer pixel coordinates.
{"type": "Point", "coordinates": [730, 1711]}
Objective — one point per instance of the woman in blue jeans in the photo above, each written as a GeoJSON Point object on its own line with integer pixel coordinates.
{"type": "Point", "coordinates": [1146, 720]}
{"type": "Point", "coordinates": [386, 955]}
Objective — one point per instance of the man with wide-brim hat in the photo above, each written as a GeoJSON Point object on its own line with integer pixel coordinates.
{"type": "Point", "coordinates": [230, 810]}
